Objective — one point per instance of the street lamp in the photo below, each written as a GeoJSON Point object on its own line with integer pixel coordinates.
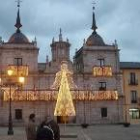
{"type": "Point", "coordinates": [10, 123]}
{"type": "Point", "coordinates": [14, 77]}
{"type": "Point", "coordinates": [21, 80]}
{"type": "Point", "coordinates": [10, 72]}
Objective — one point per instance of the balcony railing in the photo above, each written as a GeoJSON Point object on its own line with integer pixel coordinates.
{"type": "Point", "coordinates": [19, 70]}
{"type": "Point", "coordinates": [102, 71]}
{"type": "Point", "coordinates": [134, 101]}
{"type": "Point", "coordinates": [12, 74]}
{"type": "Point", "coordinates": [51, 95]}
{"type": "Point", "coordinates": [133, 82]}
{"type": "Point", "coordinates": [102, 88]}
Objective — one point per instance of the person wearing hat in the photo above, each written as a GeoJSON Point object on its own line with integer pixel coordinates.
{"type": "Point", "coordinates": [31, 128]}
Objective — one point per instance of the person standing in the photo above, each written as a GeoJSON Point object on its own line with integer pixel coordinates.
{"type": "Point", "coordinates": [55, 127]}
{"type": "Point", "coordinates": [44, 132]}
{"type": "Point", "coordinates": [31, 128]}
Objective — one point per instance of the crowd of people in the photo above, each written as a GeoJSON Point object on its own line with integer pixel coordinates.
{"type": "Point", "coordinates": [47, 130]}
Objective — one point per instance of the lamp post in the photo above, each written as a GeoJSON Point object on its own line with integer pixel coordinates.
{"type": "Point", "coordinates": [13, 79]}
{"type": "Point", "coordinates": [21, 80]}
{"type": "Point", "coordinates": [10, 122]}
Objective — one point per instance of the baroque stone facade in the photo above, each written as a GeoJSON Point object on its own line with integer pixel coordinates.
{"type": "Point", "coordinates": [96, 74]}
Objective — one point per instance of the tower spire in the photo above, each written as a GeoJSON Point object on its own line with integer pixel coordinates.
{"type": "Point", "coordinates": [18, 24]}
{"type": "Point", "coordinates": [94, 27]}
{"type": "Point", "coordinates": [60, 35]}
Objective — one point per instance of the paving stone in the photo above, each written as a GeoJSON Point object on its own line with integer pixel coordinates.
{"type": "Point", "coordinates": [95, 132]}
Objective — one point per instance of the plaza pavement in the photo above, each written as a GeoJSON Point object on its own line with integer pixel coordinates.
{"type": "Point", "coordinates": [95, 132]}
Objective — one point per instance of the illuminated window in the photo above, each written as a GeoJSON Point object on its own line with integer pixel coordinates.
{"type": "Point", "coordinates": [133, 96]}
{"type": "Point", "coordinates": [101, 62]}
{"type": "Point", "coordinates": [134, 113]}
{"type": "Point", "coordinates": [18, 61]}
{"type": "Point", "coordinates": [18, 114]}
{"type": "Point", "coordinates": [104, 112]}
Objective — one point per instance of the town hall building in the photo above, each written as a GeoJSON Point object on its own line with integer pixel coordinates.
{"type": "Point", "coordinates": [94, 77]}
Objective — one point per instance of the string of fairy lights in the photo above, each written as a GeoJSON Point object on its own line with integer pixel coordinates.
{"type": "Point", "coordinates": [102, 71]}
{"type": "Point", "coordinates": [51, 95]}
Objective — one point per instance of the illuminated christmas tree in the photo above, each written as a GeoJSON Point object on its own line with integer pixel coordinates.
{"type": "Point", "coordinates": [64, 104]}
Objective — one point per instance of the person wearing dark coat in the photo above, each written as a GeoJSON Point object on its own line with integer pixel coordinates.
{"type": "Point", "coordinates": [44, 132]}
{"type": "Point", "coordinates": [31, 128]}
{"type": "Point", "coordinates": [55, 127]}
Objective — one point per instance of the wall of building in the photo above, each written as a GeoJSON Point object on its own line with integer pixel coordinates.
{"type": "Point", "coordinates": [86, 111]}
{"type": "Point", "coordinates": [28, 53]}
{"type": "Point", "coordinates": [43, 109]}
{"type": "Point", "coordinates": [127, 88]}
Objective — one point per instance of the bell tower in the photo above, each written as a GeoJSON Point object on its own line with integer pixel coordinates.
{"type": "Point", "coordinates": [60, 49]}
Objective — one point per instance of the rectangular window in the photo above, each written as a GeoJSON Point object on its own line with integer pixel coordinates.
{"type": "Point", "coordinates": [133, 80]}
{"type": "Point", "coordinates": [132, 77]}
{"type": "Point", "coordinates": [18, 114]}
{"type": "Point", "coordinates": [102, 85]}
{"type": "Point", "coordinates": [133, 96]}
{"type": "Point", "coordinates": [18, 61]}
{"type": "Point", "coordinates": [134, 113]}
{"type": "Point", "coordinates": [101, 62]}
{"type": "Point", "coordinates": [104, 112]}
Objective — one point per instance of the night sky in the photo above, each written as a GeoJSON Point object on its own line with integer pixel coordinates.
{"type": "Point", "coordinates": [118, 20]}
